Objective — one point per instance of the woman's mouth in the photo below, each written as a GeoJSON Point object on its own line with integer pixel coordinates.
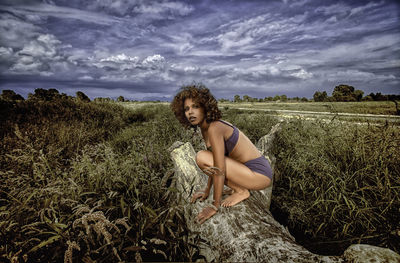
{"type": "Point", "coordinates": [192, 119]}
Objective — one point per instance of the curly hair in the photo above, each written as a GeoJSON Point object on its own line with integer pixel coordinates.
{"type": "Point", "coordinates": [200, 94]}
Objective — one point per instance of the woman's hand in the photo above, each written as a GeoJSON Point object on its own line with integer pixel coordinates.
{"type": "Point", "coordinates": [200, 194]}
{"type": "Point", "coordinates": [205, 214]}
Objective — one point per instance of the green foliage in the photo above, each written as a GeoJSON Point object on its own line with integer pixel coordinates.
{"type": "Point", "coordinates": [237, 98]}
{"type": "Point", "coordinates": [82, 96]}
{"type": "Point", "coordinates": [109, 202]}
{"type": "Point", "coordinates": [320, 96]}
{"type": "Point", "coordinates": [10, 95]}
{"type": "Point", "coordinates": [338, 184]}
{"type": "Point", "coordinates": [254, 124]}
{"type": "Point", "coordinates": [346, 93]}
{"type": "Point", "coordinates": [90, 182]}
{"type": "Point", "coordinates": [46, 95]}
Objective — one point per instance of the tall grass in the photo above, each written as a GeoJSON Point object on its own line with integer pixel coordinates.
{"type": "Point", "coordinates": [110, 202]}
{"type": "Point", "coordinates": [85, 182]}
{"type": "Point", "coordinates": [338, 184]}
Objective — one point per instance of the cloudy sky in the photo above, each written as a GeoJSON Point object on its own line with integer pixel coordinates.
{"type": "Point", "coordinates": [144, 49]}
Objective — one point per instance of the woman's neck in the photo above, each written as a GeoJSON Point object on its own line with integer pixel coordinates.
{"type": "Point", "coordinates": [204, 126]}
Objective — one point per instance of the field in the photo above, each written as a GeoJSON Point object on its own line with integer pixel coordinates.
{"type": "Point", "coordinates": [365, 107]}
{"type": "Point", "coordinates": [85, 182]}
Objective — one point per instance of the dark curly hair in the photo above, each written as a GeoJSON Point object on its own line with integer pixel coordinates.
{"type": "Point", "coordinates": [201, 95]}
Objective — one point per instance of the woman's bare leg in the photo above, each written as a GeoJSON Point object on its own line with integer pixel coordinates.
{"type": "Point", "coordinates": [238, 177]}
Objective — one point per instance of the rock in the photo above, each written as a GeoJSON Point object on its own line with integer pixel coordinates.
{"type": "Point", "coordinates": [370, 254]}
{"type": "Point", "coordinates": [247, 231]}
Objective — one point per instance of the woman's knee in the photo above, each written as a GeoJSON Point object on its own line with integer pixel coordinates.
{"type": "Point", "coordinates": [202, 158]}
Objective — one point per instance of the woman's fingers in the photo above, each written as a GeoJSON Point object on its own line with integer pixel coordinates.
{"type": "Point", "coordinates": [198, 195]}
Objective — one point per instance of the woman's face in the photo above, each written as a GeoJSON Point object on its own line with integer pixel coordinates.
{"type": "Point", "coordinates": [193, 112]}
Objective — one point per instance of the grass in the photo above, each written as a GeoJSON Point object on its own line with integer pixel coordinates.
{"type": "Point", "coordinates": [92, 182]}
{"type": "Point", "coordinates": [109, 201]}
{"type": "Point", "coordinates": [338, 184]}
{"type": "Point", "coordinates": [365, 107]}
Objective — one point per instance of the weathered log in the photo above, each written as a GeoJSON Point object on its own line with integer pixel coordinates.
{"type": "Point", "coordinates": [242, 233]}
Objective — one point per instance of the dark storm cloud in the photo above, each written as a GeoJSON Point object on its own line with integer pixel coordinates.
{"type": "Point", "coordinates": [148, 49]}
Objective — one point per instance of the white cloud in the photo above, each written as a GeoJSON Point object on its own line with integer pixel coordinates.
{"type": "Point", "coordinates": [6, 54]}
{"type": "Point", "coordinates": [120, 58]}
{"type": "Point", "coordinates": [361, 9]}
{"type": "Point", "coordinates": [302, 74]}
{"type": "Point", "coordinates": [164, 7]}
{"type": "Point", "coordinates": [48, 10]}
{"type": "Point", "coordinates": [356, 75]}
{"type": "Point", "coordinates": [86, 77]}
{"type": "Point", "coordinates": [339, 8]}
{"type": "Point", "coordinates": [155, 61]}
{"type": "Point", "coordinates": [16, 33]}
{"type": "Point", "coordinates": [45, 46]}
{"type": "Point", "coordinates": [40, 56]}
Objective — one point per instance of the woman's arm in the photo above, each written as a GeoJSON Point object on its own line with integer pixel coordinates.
{"type": "Point", "coordinates": [216, 138]}
{"type": "Point", "coordinates": [209, 184]}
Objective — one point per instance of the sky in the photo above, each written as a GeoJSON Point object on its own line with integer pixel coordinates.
{"type": "Point", "coordinates": [147, 50]}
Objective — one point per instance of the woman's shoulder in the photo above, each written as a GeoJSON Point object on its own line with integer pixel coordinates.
{"type": "Point", "coordinates": [220, 125]}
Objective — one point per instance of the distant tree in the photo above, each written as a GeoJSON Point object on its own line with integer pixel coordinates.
{"type": "Point", "coordinates": [320, 96]}
{"type": "Point", "coordinates": [276, 98]}
{"type": "Point", "coordinates": [268, 98]}
{"type": "Point", "coordinates": [237, 98]}
{"type": "Point", "coordinates": [367, 98]}
{"type": "Point", "coordinates": [284, 98]}
{"type": "Point", "coordinates": [347, 93]}
{"type": "Point", "coordinates": [121, 99]}
{"type": "Point", "coordinates": [296, 98]}
{"type": "Point", "coordinates": [46, 95]}
{"type": "Point", "coordinates": [10, 95]}
{"type": "Point", "coordinates": [246, 98]}
{"type": "Point", "coordinates": [82, 96]}
{"type": "Point", "coordinates": [343, 93]}
{"type": "Point", "coordinates": [358, 94]}
{"type": "Point", "coordinates": [378, 96]}
{"type": "Point", "coordinates": [304, 99]}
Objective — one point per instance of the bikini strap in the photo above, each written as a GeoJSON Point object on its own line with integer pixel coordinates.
{"type": "Point", "coordinates": [227, 123]}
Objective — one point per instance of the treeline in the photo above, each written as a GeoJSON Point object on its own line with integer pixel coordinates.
{"type": "Point", "coordinates": [43, 95]}
{"type": "Point", "coordinates": [53, 94]}
{"type": "Point", "coordinates": [341, 93]}
{"type": "Point", "coordinates": [247, 98]}
{"type": "Point", "coordinates": [348, 93]}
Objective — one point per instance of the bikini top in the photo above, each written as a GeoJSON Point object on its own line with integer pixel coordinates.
{"type": "Point", "coordinates": [231, 142]}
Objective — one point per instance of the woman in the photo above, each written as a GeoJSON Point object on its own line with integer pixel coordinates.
{"type": "Point", "coordinates": [230, 159]}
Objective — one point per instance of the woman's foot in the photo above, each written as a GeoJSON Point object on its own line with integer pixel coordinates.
{"type": "Point", "coordinates": [227, 191]}
{"type": "Point", "coordinates": [235, 198]}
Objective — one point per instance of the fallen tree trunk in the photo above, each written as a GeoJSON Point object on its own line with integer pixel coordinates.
{"type": "Point", "coordinates": [246, 231]}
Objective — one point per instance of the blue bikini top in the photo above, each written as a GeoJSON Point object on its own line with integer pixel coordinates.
{"type": "Point", "coordinates": [231, 142]}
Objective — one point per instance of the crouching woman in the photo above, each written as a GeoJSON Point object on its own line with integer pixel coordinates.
{"type": "Point", "coordinates": [230, 159]}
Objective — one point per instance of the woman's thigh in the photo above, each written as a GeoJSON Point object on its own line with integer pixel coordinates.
{"type": "Point", "coordinates": [236, 172]}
